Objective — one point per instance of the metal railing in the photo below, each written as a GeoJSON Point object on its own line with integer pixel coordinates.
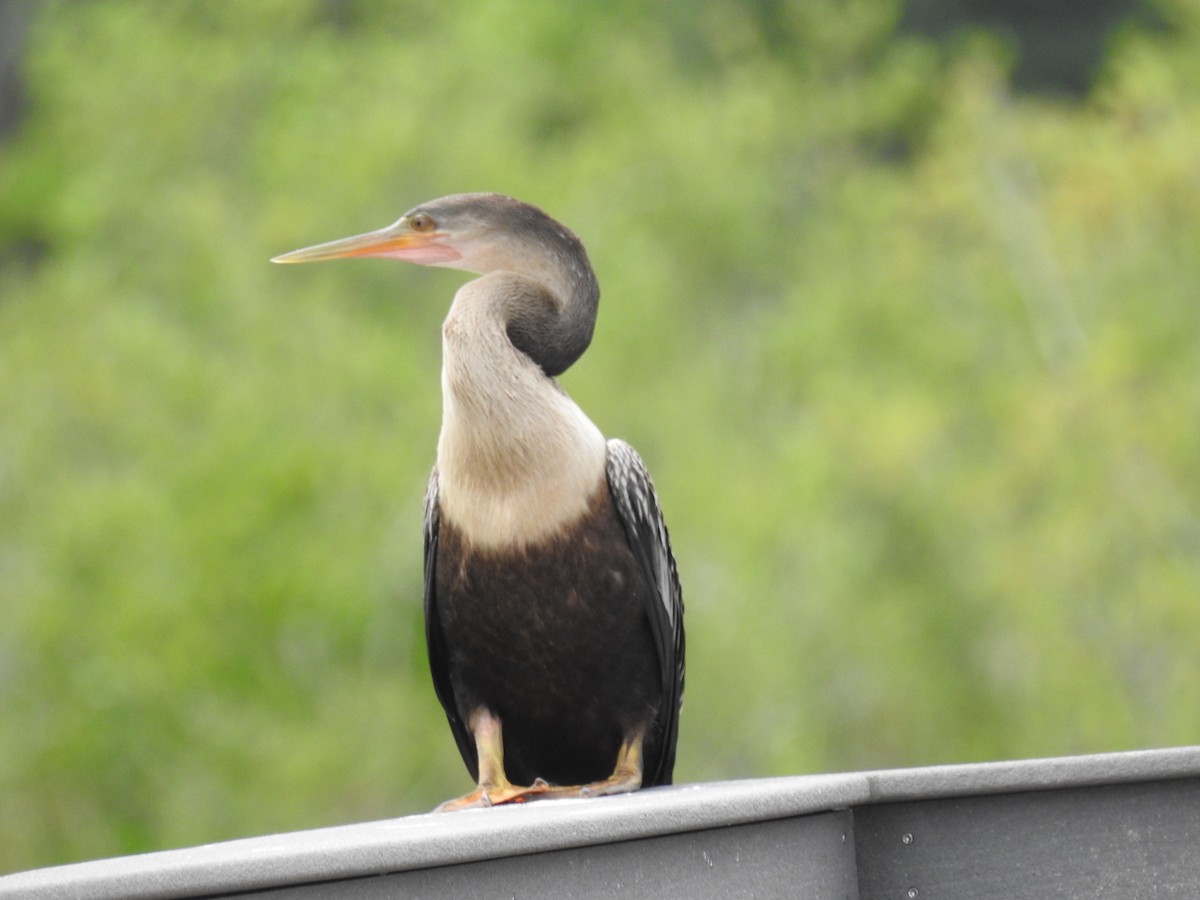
{"type": "Point", "coordinates": [1121, 825]}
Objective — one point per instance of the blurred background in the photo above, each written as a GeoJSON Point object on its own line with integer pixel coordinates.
{"type": "Point", "coordinates": [900, 306]}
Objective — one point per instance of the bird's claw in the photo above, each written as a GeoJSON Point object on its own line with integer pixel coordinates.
{"type": "Point", "coordinates": [497, 795]}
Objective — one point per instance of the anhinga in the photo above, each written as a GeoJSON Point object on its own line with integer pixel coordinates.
{"type": "Point", "coordinates": [553, 614]}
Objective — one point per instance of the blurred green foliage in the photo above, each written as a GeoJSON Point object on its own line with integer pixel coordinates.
{"type": "Point", "coordinates": [914, 362]}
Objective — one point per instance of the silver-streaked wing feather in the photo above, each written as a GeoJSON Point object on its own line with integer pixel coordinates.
{"type": "Point", "coordinates": [637, 506]}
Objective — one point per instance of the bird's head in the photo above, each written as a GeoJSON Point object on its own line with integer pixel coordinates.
{"type": "Point", "coordinates": [474, 232]}
{"type": "Point", "coordinates": [485, 233]}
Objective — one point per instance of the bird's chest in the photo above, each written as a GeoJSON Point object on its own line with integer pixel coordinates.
{"type": "Point", "coordinates": [583, 570]}
{"type": "Point", "coordinates": [548, 619]}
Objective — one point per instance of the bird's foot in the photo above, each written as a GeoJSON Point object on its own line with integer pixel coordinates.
{"type": "Point", "coordinates": [616, 783]}
{"type": "Point", "coordinates": [625, 779]}
{"type": "Point", "coordinates": [495, 795]}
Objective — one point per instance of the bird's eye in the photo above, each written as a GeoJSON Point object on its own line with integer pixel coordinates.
{"type": "Point", "coordinates": [421, 222]}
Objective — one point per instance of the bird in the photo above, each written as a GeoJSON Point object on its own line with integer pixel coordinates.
{"type": "Point", "coordinates": [553, 608]}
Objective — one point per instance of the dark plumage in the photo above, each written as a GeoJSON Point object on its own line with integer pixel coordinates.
{"type": "Point", "coordinates": [554, 618]}
{"type": "Point", "coordinates": [523, 625]}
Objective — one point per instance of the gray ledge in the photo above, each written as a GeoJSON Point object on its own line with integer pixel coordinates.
{"type": "Point", "coordinates": [329, 856]}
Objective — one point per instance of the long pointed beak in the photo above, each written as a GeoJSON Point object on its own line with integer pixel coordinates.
{"type": "Point", "coordinates": [397, 241]}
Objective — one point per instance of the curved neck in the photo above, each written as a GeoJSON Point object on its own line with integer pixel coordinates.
{"type": "Point", "coordinates": [549, 311]}
{"type": "Point", "coordinates": [516, 456]}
